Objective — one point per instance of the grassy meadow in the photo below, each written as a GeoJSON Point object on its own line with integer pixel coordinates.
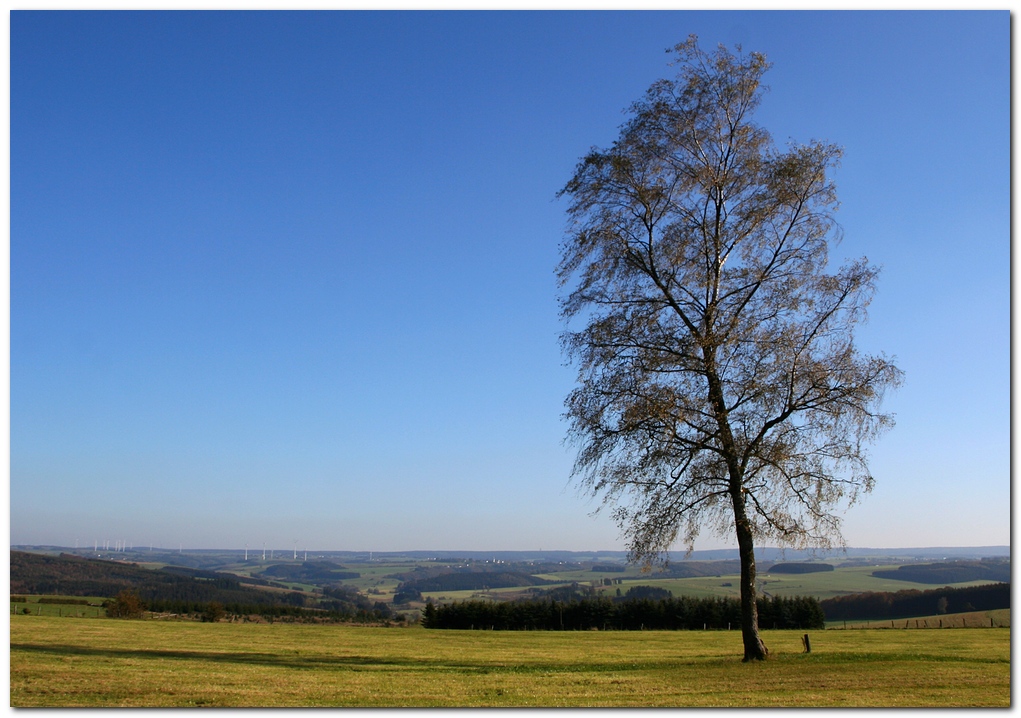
{"type": "Point", "coordinates": [99, 663]}
{"type": "Point", "coordinates": [997, 618]}
{"type": "Point", "coordinates": [72, 607]}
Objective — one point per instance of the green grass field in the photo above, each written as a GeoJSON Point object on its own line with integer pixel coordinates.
{"type": "Point", "coordinates": [997, 618]}
{"type": "Point", "coordinates": [98, 663]}
{"type": "Point", "coordinates": [93, 609]}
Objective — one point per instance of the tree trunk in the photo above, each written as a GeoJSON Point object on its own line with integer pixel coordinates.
{"type": "Point", "coordinates": [754, 648]}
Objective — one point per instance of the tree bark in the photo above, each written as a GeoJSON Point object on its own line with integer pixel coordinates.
{"type": "Point", "coordinates": [754, 648]}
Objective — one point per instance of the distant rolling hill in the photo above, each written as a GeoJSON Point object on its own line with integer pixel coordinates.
{"type": "Point", "coordinates": [950, 572]}
{"type": "Point", "coordinates": [67, 575]}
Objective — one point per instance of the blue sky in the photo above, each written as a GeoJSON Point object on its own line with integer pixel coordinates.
{"type": "Point", "coordinates": [288, 277]}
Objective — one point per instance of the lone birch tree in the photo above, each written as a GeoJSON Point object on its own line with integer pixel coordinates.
{"type": "Point", "coordinates": [719, 387]}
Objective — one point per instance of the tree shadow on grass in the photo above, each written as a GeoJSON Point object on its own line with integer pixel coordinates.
{"type": "Point", "coordinates": [316, 661]}
{"type": "Point", "coordinates": [320, 661]}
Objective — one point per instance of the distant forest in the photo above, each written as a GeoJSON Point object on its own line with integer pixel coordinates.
{"type": "Point", "coordinates": [68, 575]}
{"type": "Point", "coordinates": [309, 572]}
{"type": "Point", "coordinates": [908, 604]}
{"type": "Point", "coordinates": [177, 589]}
{"type": "Point", "coordinates": [800, 568]}
{"type": "Point", "coordinates": [996, 569]}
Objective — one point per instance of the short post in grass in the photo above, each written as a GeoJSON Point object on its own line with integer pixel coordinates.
{"type": "Point", "coordinates": [806, 643]}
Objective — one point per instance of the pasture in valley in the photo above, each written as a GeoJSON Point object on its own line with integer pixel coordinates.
{"type": "Point", "coordinates": [68, 662]}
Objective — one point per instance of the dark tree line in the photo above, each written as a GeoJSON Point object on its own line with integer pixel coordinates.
{"type": "Point", "coordinates": [334, 612]}
{"type": "Point", "coordinates": [912, 603]}
{"type": "Point", "coordinates": [950, 572]}
{"type": "Point", "coordinates": [682, 613]}
{"type": "Point", "coordinates": [800, 568]}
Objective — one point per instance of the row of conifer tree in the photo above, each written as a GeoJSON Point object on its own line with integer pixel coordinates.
{"type": "Point", "coordinates": [680, 613]}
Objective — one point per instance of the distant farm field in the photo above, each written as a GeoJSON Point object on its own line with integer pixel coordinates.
{"type": "Point", "coordinates": [72, 662]}
{"type": "Point", "coordinates": [828, 584]}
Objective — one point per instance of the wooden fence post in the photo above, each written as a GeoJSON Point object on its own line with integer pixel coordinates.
{"type": "Point", "coordinates": [806, 643]}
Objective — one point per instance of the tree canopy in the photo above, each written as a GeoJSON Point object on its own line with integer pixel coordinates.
{"type": "Point", "coordinates": [719, 385]}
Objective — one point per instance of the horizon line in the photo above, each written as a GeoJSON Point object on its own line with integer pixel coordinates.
{"type": "Point", "coordinates": [842, 549]}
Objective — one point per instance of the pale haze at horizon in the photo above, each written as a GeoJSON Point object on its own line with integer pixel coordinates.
{"type": "Point", "coordinates": [288, 278]}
